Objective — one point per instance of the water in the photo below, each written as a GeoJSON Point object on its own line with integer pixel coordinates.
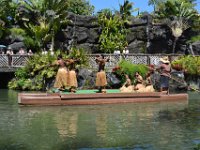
{"type": "Point", "coordinates": [141, 126]}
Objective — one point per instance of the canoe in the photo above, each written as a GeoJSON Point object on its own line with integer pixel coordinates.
{"type": "Point", "coordinates": [89, 98]}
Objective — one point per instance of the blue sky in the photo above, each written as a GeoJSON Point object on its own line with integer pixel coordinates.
{"type": "Point", "coordinates": [114, 4]}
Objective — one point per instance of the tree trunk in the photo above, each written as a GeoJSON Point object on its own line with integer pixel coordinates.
{"type": "Point", "coordinates": [174, 45]}
{"type": "Point", "coordinates": [52, 41]}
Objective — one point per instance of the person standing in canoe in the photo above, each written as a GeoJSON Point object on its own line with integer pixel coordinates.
{"type": "Point", "coordinates": [72, 82]}
{"type": "Point", "coordinates": [101, 80]}
{"type": "Point", "coordinates": [164, 69]}
{"type": "Point", "coordinates": [61, 82]}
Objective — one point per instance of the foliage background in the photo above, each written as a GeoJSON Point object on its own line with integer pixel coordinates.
{"type": "Point", "coordinates": [126, 67]}
{"type": "Point", "coordinates": [40, 69]}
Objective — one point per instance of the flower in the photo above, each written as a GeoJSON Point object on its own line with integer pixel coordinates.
{"type": "Point", "coordinates": [116, 68]}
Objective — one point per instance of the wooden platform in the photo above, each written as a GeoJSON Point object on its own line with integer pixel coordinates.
{"type": "Point", "coordinates": [95, 98]}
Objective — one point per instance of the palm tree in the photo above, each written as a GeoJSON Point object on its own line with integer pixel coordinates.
{"type": "Point", "coordinates": [125, 11]}
{"type": "Point", "coordinates": [155, 3]}
{"type": "Point", "coordinates": [7, 10]}
{"type": "Point", "coordinates": [177, 15]}
{"type": "Point", "coordinates": [80, 7]}
{"type": "Point", "coordinates": [45, 14]}
{"type": "Point", "coordinates": [177, 27]}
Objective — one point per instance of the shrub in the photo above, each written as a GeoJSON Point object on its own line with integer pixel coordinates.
{"type": "Point", "coordinates": [126, 67]}
{"type": "Point", "coordinates": [189, 64]}
{"type": "Point", "coordinates": [39, 69]}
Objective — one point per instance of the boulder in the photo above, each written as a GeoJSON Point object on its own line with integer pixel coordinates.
{"type": "Point", "coordinates": [196, 47]}
{"type": "Point", "coordinates": [137, 46]}
{"type": "Point", "coordinates": [93, 35]}
{"type": "Point", "coordinates": [16, 45]}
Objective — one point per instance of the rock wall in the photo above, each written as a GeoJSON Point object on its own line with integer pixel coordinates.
{"type": "Point", "coordinates": [144, 36]}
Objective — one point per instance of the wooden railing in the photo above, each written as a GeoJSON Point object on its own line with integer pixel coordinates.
{"type": "Point", "coordinates": [13, 60]}
{"type": "Point", "coordinates": [9, 63]}
{"type": "Point", "coordinates": [16, 61]}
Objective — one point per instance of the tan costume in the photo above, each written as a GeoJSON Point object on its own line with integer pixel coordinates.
{"type": "Point", "coordinates": [72, 74]}
{"type": "Point", "coordinates": [73, 84]}
{"type": "Point", "coordinates": [72, 79]}
{"type": "Point", "coordinates": [139, 87]}
{"type": "Point", "coordinates": [149, 86]}
{"type": "Point", "coordinates": [62, 75]}
{"type": "Point", "coordinates": [101, 80]}
{"type": "Point", "coordinates": [127, 87]}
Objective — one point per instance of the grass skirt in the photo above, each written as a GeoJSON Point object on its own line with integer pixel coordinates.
{"type": "Point", "coordinates": [61, 78]}
{"type": "Point", "coordinates": [72, 79]}
{"type": "Point", "coordinates": [101, 79]}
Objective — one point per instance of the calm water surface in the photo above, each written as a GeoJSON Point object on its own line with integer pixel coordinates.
{"type": "Point", "coordinates": [141, 126]}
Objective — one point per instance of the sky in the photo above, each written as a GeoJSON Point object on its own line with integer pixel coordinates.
{"type": "Point", "coordinates": [114, 4]}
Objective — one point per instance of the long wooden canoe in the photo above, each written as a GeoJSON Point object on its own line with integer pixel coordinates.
{"type": "Point", "coordinates": [95, 98]}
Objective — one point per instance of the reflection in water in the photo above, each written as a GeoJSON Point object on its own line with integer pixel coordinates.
{"type": "Point", "coordinates": [101, 125]}
{"type": "Point", "coordinates": [155, 126]}
{"type": "Point", "coordinates": [66, 124]}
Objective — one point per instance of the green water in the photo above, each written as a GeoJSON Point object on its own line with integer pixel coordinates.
{"type": "Point", "coordinates": [141, 126]}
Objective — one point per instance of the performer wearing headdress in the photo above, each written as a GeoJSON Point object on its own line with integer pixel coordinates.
{"type": "Point", "coordinates": [62, 75]}
{"type": "Point", "coordinates": [101, 81]}
{"type": "Point", "coordinates": [72, 80]}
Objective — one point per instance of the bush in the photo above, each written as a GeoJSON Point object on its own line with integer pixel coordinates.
{"type": "Point", "coordinates": [126, 67]}
{"type": "Point", "coordinates": [39, 69]}
{"type": "Point", "coordinates": [189, 64]}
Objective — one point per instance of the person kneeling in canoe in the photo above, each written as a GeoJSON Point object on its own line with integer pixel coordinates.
{"type": "Point", "coordinates": [72, 79]}
{"type": "Point", "coordinates": [148, 83]}
{"type": "Point", "coordinates": [139, 86]}
{"type": "Point", "coordinates": [101, 81]}
{"type": "Point", "coordinates": [127, 86]}
{"type": "Point", "coordinates": [61, 82]}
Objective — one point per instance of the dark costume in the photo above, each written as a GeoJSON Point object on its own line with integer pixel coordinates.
{"type": "Point", "coordinates": [165, 69]}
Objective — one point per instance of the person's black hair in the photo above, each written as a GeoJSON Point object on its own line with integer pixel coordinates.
{"type": "Point", "coordinates": [59, 57]}
{"type": "Point", "coordinates": [102, 55]}
{"type": "Point", "coordinates": [137, 72]}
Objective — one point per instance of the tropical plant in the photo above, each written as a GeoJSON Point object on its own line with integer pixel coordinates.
{"type": "Point", "coordinates": [79, 54]}
{"type": "Point", "coordinates": [41, 68]}
{"type": "Point", "coordinates": [80, 7]}
{"type": "Point", "coordinates": [126, 67]}
{"type": "Point", "coordinates": [194, 39]}
{"type": "Point", "coordinates": [47, 17]}
{"type": "Point", "coordinates": [189, 64]}
{"type": "Point", "coordinates": [113, 35]}
{"type": "Point", "coordinates": [35, 73]}
{"type": "Point", "coordinates": [178, 26]}
{"type": "Point", "coordinates": [155, 3]}
{"type": "Point", "coordinates": [177, 14]}
{"type": "Point", "coordinates": [125, 11]}
{"type": "Point", "coordinates": [7, 14]}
